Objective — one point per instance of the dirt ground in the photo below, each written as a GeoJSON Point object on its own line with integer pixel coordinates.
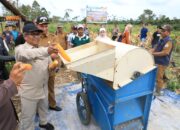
{"type": "Point", "coordinates": [65, 76]}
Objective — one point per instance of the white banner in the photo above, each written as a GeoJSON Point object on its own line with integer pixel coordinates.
{"type": "Point", "coordinates": [96, 14]}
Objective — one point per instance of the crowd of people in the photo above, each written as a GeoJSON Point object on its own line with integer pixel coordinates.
{"type": "Point", "coordinates": [37, 47]}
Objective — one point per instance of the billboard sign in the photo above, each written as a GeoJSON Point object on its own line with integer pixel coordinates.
{"type": "Point", "coordinates": [96, 14]}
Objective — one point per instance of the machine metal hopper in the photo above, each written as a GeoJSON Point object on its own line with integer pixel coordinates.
{"type": "Point", "coordinates": [110, 60]}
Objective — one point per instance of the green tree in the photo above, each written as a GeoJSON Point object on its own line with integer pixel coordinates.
{"type": "Point", "coordinates": [75, 18]}
{"type": "Point", "coordinates": [67, 14]}
{"type": "Point", "coordinates": [26, 10]}
{"type": "Point", "coordinates": [163, 19]}
{"type": "Point", "coordinates": [36, 10]}
{"type": "Point", "coordinates": [147, 16]}
{"type": "Point", "coordinates": [5, 12]}
{"type": "Point", "coordinates": [55, 19]}
{"type": "Point", "coordinates": [44, 12]}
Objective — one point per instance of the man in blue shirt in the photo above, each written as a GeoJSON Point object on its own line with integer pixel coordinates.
{"type": "Point", "coordinates": [143, 34]}
{"type": "Point", "coordinates": [14, 32]}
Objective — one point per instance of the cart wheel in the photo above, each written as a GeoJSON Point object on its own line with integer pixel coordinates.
{"type": "Point", "coordinates": [83, 108]}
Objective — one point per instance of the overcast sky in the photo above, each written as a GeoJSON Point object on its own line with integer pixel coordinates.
{"type": "Point", "coordinates": [120, 8]}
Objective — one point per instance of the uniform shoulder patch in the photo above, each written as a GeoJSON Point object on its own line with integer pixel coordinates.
{"type": "Point", "coordinates": [168, 44]}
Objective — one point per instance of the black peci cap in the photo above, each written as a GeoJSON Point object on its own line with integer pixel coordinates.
{"type": "Point", "coordinates": [42, 20]}
{"type": "Point", "coordinates": [31, 28]}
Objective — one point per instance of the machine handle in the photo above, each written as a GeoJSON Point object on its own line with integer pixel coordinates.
{"type": "Point", "coordinates": [111, 109]}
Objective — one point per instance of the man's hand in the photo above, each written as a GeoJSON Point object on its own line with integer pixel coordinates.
{"type": "Point", "coordinates": [54, 56]}
{"type": "Point", "coordinates": [17, 73]}
{"type": "Point", "coordinates": [52, 49]}
{"type": "Point", "coordinates": [53, 65]}
{"type": "Point", "coordinates": [151, 51]}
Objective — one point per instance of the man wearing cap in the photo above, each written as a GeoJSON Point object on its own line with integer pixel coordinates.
{"type": "Point", "coordinates": [162, 54]}
{"type": "Point", "coordinates": [71, 36]}
{"type": "Point", "coordinates": [62, 36]}
{"type": "Point", "coordinates": [80, 38]}
{"type": "Point", "coordinates": [47, 39]}
{"type": "Point", "coordinates": [7, 35]}
{"type": "Point", "coordinates": [34, 87]}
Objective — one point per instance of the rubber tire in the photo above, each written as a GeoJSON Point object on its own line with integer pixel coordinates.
{"type": "Point", "coordinates": [84, 98]}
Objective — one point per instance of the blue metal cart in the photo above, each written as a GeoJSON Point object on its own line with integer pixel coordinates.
{"type": "Point", "coordinates": [126, 108]}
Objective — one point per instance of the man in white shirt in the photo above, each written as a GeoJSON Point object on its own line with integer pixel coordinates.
{"type": "Point", "coordinates": [35, 83]}
{"type": "Point", "coordinates": [71, 36]}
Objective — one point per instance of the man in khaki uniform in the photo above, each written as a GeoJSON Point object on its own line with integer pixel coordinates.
{"type": "Point", "coordinates": [162, 54]}
{"type": "Point", "coordinates": [34, 86]}
{"type": "Point", "coordinates": [62, 36]}
{"type": "Point", "coordinates": [45, 40]}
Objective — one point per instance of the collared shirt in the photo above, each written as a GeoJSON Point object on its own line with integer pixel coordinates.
{"type": "Point", "coordinates": [144, 32]}
{"type": "Point", "coordinates": [71, 36]}
{"type": "Point", "coordinates": [77, 40]}
{"type": "Point", "coordinates": [168, 45]}
{"type": "Point", "coordinates": [34, 84]}
{"type": "Point", "coordinates": [15, 34]}
{"type": "Point", "coordinates": [48, 39]}
{"type": "Point", "coordinates": [62, 39]}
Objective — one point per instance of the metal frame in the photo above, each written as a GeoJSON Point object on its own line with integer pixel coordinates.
{"type": "Point", "coordinates": [113, 108]}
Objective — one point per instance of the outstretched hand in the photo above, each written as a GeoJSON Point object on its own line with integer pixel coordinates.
{"type": "Point", "coordinates": [17, 73]}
